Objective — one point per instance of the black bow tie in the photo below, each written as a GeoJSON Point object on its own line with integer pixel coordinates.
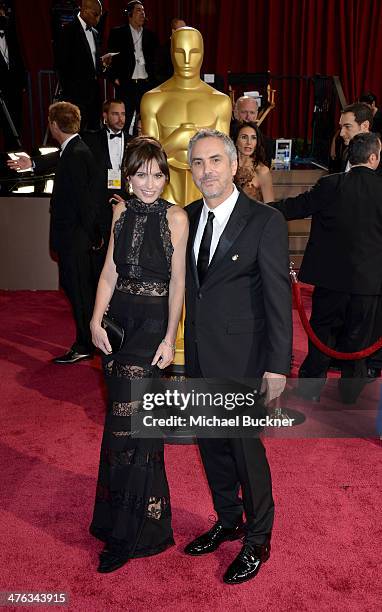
{"type": "Point", "coordinates": [2, 34]}
{"type": "Point", "coordinates": [119, 135]}
{"type": "Point", "coordinates": [88, 27]}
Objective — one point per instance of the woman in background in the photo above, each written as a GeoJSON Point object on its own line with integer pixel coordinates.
{"type": "Point", "coordinates": [253, 176]}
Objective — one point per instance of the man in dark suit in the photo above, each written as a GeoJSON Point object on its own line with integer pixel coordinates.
{"type": "Point", "coordinates": [238, 326]}
{"type": "Point", "coordinates": [343, 260]}
{"type": "Point", "coordinates": [75, 233]}
{"type": "Point", "coordinates": [133, 70]}
{"type": "Point", "coordinates": [108, 147]}
{"type": "Point", "coordinates": [355, 119]}
{"type": "Point", "coordinates": [12, 80]}
{"type": "Point", "coordinates": [78, 63]}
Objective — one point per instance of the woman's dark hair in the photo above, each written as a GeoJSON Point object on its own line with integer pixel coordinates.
{"type": "Point", "coordinates": [258, 156]}
{"type": "Point", "coordinates": [142, 150]}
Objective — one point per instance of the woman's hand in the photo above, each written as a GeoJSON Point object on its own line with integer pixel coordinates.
{"type": "Point", "coordinates": [164, 355]}
{"type": "Point", "coordinates": [99, 338]}
{"type": "Point", "coordinates": [116, 199]}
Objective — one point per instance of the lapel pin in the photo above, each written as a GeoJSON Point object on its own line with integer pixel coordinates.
{"type": "Point", "coordinates": [235, 257]}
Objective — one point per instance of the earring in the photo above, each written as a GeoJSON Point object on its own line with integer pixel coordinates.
{"type": "Point", "coordinates": [130, 189]}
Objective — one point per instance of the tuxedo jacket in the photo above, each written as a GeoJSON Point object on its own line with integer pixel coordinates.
{"type": "Point", "coordinates": [123, 65]}
{"type": "Point", "coordinates": [98, 144]}
{"type": "Point", "coordinates": [75, 201]}
{"type": "Point", "coordinates": [239, 320]}
{"type": "Point", "coordinates": [344, 250]}
{"type": "Point", "coordinates": [74, 63]}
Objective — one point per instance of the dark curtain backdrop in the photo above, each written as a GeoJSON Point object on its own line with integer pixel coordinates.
{"type": "Point", "coordinates": [286, 37]}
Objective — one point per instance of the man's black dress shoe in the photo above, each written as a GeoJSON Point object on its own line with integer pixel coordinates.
{"type": "Point", "coordinates": [247, 563]}
{"type": "Point", "coordinates": [109, 562]}
{"type": "Point", "coordinates": [211, 540]}
{"type": "Point", "coordinates": [72, 357]}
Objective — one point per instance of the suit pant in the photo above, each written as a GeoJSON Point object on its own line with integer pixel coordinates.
{"type": "Point", "coordinates": [79, 274]}
{"type": "Point", "coordinates": [234, 463]}
{"type": "Point", "coordinates": [343, 321]}
{"type": "Point", "coordinates": [90, 106]}
{"type": "Point", "coordinates": [13, 100]}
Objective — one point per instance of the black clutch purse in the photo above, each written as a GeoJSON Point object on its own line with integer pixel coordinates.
{"type": "Point", "coordinates": [115, 333]}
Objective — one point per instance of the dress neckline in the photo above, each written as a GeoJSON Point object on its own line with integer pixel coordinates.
{"type": "Point", "coordinates": [138, 206]}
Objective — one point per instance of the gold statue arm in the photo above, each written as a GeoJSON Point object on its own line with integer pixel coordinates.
{"type": "Point", "coordinates": [149, 119]}
{"type": "Point", "coordinates": [224, 117]}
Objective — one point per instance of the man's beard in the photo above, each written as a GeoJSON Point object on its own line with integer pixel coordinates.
{"type": "Point", "coordinates": [212, 192]}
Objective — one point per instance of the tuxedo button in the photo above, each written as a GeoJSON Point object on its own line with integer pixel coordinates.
{"type": "Point", "coordinates": [200, 295]}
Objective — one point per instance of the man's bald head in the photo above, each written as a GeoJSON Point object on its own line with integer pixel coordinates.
{"type": "Point", "coordinates": [246, 109]}
{"type": "Point", "coordinates": [91, 11]}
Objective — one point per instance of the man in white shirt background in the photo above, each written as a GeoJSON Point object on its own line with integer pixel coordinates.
{"type": "Point", "coordinates": [133, 70]}
{"type": "Point", "coordinates": [108, 146]}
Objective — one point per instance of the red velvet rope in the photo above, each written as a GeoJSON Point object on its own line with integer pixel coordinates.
{"type": "Point", "coordinates": [316, 341]}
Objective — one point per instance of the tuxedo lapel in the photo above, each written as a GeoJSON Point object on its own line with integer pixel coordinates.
{"type": "Point", "coordinates": [233, 229]}
{"type": "Point", "coordinates": [85, 44]}
{"type": "Point", "coordinates": [194, 222]}
{"type": "Point", "coordinates": [105, 146]}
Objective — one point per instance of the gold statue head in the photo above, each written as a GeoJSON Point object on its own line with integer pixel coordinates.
{"type": "Point", "coordinates": [187, 52]}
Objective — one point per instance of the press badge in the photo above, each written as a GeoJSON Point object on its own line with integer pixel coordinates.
{"type": "Point", "coordinates": [114, 179]}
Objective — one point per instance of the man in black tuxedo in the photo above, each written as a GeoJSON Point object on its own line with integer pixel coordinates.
{"type": "Point", "coordinates": [75, 233]}
{"type": "Point", "coordinates": [343, 260]}
{"type": "Point", "coordinates": [78, 63]}
{"type": "Point", "coordinates": [355, 119]}
{"type": "Point", "coordinates": [12, 80]}
{"type": "Point", "coordinates": [108, 146]}
{"type": "Point", "coordinates": [238, 326]}
{"type": "Point", "coordinates": [133, 70]}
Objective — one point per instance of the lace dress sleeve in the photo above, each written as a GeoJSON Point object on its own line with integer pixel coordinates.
{"type": "Point", "coordinates": [118, 225]}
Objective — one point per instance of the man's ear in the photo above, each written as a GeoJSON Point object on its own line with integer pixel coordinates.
{"type": "Point", "coordinates": [234, 167]}
{"type": "Point", "coordinates": [365, 126]}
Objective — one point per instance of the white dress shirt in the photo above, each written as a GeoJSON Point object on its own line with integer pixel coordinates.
{"type": "Point", "coordinates": [222, 214]}
{"type": "Point", "coordinates": [116, 148]}
{"type": "Point", "coordinates": [63, 145]}
{"type": "Point", "coordinates": [90, 39]}
{"type": "Point", "coordinates": [4, 49]}
{"type": "Point", "coordinates": [139, 70]}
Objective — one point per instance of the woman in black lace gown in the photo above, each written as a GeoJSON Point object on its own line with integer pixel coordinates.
{"type": "Point", "coordinates": [142, 283]}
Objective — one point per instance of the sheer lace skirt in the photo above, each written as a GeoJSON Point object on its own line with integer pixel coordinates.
{"type": "Point", "coordinates": [132, 510]}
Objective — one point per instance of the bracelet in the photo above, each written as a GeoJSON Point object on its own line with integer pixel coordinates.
{"type": "Point", "coordinates": [172, 346]}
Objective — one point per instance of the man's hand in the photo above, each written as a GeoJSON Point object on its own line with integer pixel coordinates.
{"type": "Point", "coordinates": [23, 162]}
{"type": "Point", "coordinates": [106, 59]}
{"type": "Point", "coordinates": [273, 385]}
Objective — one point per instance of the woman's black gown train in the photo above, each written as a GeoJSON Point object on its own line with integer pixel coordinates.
{"type": "Point", "coordinates": [132, 512]}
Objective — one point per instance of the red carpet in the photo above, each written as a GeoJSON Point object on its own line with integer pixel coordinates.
{"type": "Point", "coordinates": [327, 539]}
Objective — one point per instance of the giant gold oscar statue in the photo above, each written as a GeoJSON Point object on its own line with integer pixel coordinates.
{"type": "Point", "coordinates": [174, 111]}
